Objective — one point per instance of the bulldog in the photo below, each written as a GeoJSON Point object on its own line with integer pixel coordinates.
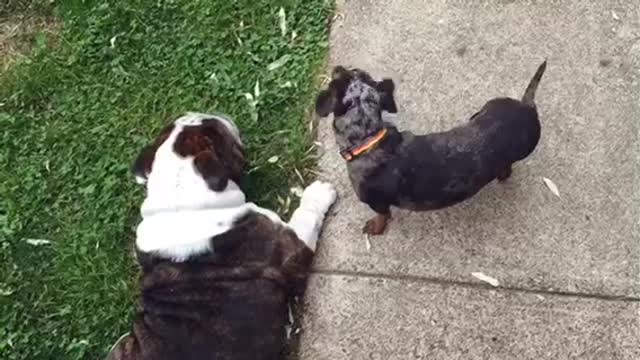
{"type": "Point", "coordinates": [423, 172]}
{"type": "Point", "coordinates": [217, 271]}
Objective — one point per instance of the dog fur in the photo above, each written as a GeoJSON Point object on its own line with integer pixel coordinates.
{"type": "Point", "coordinates": [217, 272]}
{"type": "Point", "coordinates": [425, 172]}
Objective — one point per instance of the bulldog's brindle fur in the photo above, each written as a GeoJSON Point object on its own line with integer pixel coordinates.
{"type": "Point", "coordinates": [424, 172]}
{"type": "Point", "coordinates": [217, 272]}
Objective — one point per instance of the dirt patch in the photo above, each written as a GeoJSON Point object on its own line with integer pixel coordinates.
{"type": "Point", "coordinates": [18, 34]}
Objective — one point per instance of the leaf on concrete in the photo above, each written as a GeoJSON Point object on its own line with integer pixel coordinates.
{"type": "Point", "coordinates": [552, 186]}
{"type": "Point", "coordinates": [614, 15]}
{"type": "Point", "coordinates": [367, 242]}
{"type": "Point", "coordinates": [488, 279]}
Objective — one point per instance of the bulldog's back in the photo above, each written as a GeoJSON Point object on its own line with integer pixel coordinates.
{"type": "Point", "coordinates": [236, 315]}
{"type": "Point", "coordinates": [227, 304]}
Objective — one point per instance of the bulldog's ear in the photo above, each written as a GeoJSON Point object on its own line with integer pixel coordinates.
{"type": "Point", "coordinates": [386, 87]}
{"type": "Point", "coordinates": [141, 167]}
{"type": "Point", "coordinates": [324, 103]}
{"type": "Point", "coordinates": [211, 170]}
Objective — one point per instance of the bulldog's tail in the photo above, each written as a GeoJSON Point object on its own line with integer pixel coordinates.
{"type": "Point", "coordinates": [530, 93]}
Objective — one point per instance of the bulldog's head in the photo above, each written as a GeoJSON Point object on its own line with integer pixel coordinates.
{"type": "Point", "coordinates": [195, 150]}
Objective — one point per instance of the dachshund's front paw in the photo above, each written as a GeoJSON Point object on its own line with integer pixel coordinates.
{"type": "Point", "coordinates": [376, 225]}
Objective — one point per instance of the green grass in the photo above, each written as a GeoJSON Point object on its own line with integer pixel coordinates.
{"type": "Point", "coordinates": [25, 7]}
{"type": "Point", "coordinates": [74, 114]}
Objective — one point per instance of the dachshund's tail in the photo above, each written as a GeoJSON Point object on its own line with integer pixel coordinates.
{"type": "Point", "coordinates": [530, 93]}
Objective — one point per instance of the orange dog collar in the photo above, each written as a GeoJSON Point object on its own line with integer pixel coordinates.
{"type": "Point", "coordinates": [352, 153]}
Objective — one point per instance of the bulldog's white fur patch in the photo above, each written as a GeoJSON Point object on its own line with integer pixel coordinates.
{"type": "Point", "coordinates": [181, 214]}
{"type": "Point", "coordinates": [183, 233]}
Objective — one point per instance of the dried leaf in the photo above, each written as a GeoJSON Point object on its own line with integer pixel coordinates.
{"type": "Point", "coordinates": [615, 16]}
{"type": "Point", "coordinates": [552, 186]}
{"type": "Point", "coordinates": [488, 279]}
{"type": "Point", "coordinates": [300, 177]}
{"type": "Point", "coordinates": [325, 79]}
{"type": "Point", "coordinates": [112, 41]}
{"type": "Point", "coordinates": [117, 341]}
{"type": "Point", "coordinates": [336, 17]}
{"type": "Point", "coordinates": [6, 292]}
{"type": "Point", "coordinates": [272, 160]}
{"type": "Point", "coordinates": [38, 242]}
{"type": "Point", "coordinates": [256, 89]}
{"type": "Point", "coordinates": [279, 63]}
{"type": "Point", "coordinates": [287, 203]}
{"type": "Point", "coordinates": [283, 21]}
{"type": "Point", "coordinates": [290, 315]}
{"type": "Point", "coordinates": [367, 242]}
{"type": "Point", "coordinates": [297, 191]}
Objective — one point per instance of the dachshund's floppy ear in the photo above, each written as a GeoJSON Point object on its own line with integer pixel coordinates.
{"type": "Point", "coordinates": [387, 101]}
{"type": "Point", "coordinates": [324, 103]}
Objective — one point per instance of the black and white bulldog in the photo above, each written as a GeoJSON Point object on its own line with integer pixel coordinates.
{"type": "Point", "coordinates": [217, 272]}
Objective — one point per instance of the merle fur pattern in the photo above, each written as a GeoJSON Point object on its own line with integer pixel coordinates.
{"type": "Point", "coordinates": [432, 171]}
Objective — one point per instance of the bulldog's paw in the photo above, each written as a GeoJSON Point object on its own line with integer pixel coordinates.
{"type": "Point", "coordinates": [319, 196]}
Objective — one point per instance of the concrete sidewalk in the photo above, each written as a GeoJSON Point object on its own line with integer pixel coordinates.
{"type": "Point", "coordinates": [569, 267]}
